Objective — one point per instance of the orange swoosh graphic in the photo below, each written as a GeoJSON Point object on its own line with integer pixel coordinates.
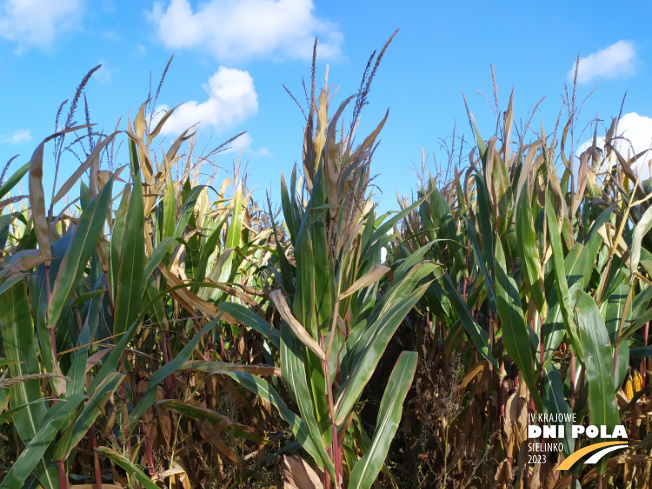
{"type": "Point", "coordinates": [570, 461]}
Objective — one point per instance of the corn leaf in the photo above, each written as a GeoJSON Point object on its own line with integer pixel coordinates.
{"type": "Point", "coordinates": [253, 321]}
{"type": "Point", "coordinates": [515, 334]}
{"type": "Point", "coordinates": [131, 266]}
{"type": "Point", "coordinates": [35, 450]}
{"type": "Point", "coordinates": [130, 467]}
{"type": "Point", "coordinates": [149, 397]}
{"type": "Point", "coordinates": [598, 363]}
{"type": "Point", "coordinates": [367, 468]}
{"type": "Point", "coordinates": [384, 328]}
{"type": "Point", "coordinates": [82, 246]}
{"type": "Point", "coordinates": [293, 359]}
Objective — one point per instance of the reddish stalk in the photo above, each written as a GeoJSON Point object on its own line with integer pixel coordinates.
{"type": "Point", "coordinates": [108, 292]}
{"type": "Point", "coordinates": [646, 332]}
{"type": "Point", "coordinates": [327, 477]}
{"type": "Point", "coordinates": [96, 456]}
{"type": "Point", "coordinates": [61, 467]}
{"type": "Point", "coordinates": [209, 346]}
{"type": "Point", "coordinates": [337, 370]}
{"type": "Point", "coordinates": [337, 456]}
{"type": "Point", "coordinates": [491, 330]}
{"type": "Point", "coordinates": [63, 478]}
{"type": "Point", "coordinates": [126, 417]}
{"type": "Point", "coordinates": [222, 350]}
{"type": "Point", "coordinates": [149, 455]}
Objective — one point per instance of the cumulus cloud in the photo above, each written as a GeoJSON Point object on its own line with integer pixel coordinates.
{"type": "Point", "coordinates": [232, 98]}
{"type": "Point", "coordinates": [635, 133]}
{"type": "Point", "coordinates": [241, 144]}
{"type": "Point", "coordinates": [18, 137]}
{"type": "Point", "coordinates": [263, 151]}
{"type": "Point", "coordinates": [617, 60]}
{"type": "Point", "coordinates": [236, 31]}
{"type": "Point", "coordinates": [245, 144]}
{"type": "Point", "coordinates": [37, 23]}
{"type": "Point", "coordinates": [104, 75]}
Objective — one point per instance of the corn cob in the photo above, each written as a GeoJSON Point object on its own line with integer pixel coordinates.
{"type": "Point", "coordinates": [629, 388]}
{"type": "Point", "coordinates": [637, 381]}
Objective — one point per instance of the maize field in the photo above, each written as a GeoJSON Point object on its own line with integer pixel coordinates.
{"type": "Point", "coordinates": [162, 329]}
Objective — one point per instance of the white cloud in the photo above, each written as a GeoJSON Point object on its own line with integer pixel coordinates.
{"type": "Point", "coordinates": [18, 137]}
{"type": "Point", "coordinates": [244, 144]}
{"type": "Point", "coordinates": [636, 136]}
{"type": "Point", "coordinates": [104, 74]}
{"type": "Point", "coordinates": [240, 144]}
{"type": "Point", "coordinates": [37, 23]}
{"type": "Point", "coordinates": [235, 31]}
{"type": "Point", "coordinates": [617, 60]}
{"type": "Point", "coordinates": [264, 152]}
{"type": "Point", "coordinates": [231, 100]}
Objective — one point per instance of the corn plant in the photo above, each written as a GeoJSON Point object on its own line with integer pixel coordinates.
{"type": "Point", "coordinates": [547, 270]}
{"type": "Point", "coordinates": [72, 285]}
{"type": "Point", "coordinates": [337, 310]}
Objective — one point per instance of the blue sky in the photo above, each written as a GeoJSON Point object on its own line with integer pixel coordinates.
{"type": "Point", "coordinates": [232, 58]}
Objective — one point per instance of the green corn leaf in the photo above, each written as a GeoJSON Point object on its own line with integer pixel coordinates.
{"type": "Point", "coordinates": [478, 335]}
{"type": "Point", "coordinates": [130, 467]}
{"type": "Point", "coordinates": [169, 208]}
{"type": "Point", "coordinates": [480, 260]}
{"type": "Point", "coordinates": [81, 248]}
{"type": "Point", "coordinates": [598, 363]}
{"type": "Point", "coordinates": [323, 278]}
{"type": "Point", "coordinates": [117, 233]}
{"type": "Point", "coordinates": [188, 210]}
{"type": "Point", "coordinates": [485, 225]}
{"type": "Point", "coordinates": [196, 412]}
{"type": "Point", "coordinates": [77, 371]}
{"type": "Point", "coordinates": [367, 468]}
{"type": "Point", "coordinates": [383, 330]}
{"type": "Point", "coordinates": [19, 349]}
{"type": "Point", "coordinates": [253, 321]}
{"type": "Point", "coordinates": [529, 251]}
{"type": "Point", "coordinates": [157, 257]}
{"type": "Point", "coordinates": [411, 261]}
{"type": "Point", "coordinates": [208, 248]}
{"type": "Point", "coordinates": [305, 297]}
{"type": "Point", "coordinates": [149, 397]}
{"type": "Point", "coordinates": [35, 450]}
{"type": "Point", "coordinates": [233, 236]}
{"type": "Point", "coordinates": [635, 326]}
{"type": "Point", "coordinates": [265, 391]}
{"type": "Point", "coordinates": [9, 414]}
{"type": "Point", "coordinates": [13, 180]}
{"type": "Point", "coordinates": [293, 356]}
{"type": "Point", "coordinates": [560, 276]}
{"type": "Point", "coordinates": [555, 403]}
{"type": "Point", "coordinates": [93, 408]}
{"type": "Point", "coordinates": [387, 225]}
{"type": "Point", "coordinates": [553, 330]}
{"type": "Point", "coordinates": [132, 255]}
{"type": "Point", "coordinates": [515, 333]}
{"type": "Point", "coordinates": [290, 211]}
{"type": "Point", "coordinates": [640, 230]}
